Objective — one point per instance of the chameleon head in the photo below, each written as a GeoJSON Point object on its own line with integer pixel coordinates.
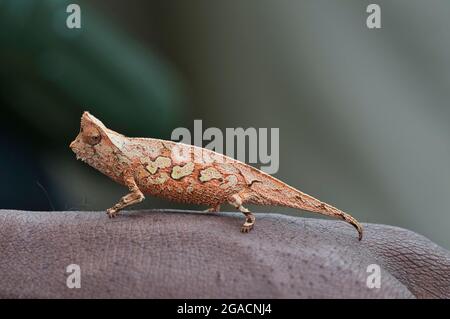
{"type": "Point", "coordinates": [94, 143]}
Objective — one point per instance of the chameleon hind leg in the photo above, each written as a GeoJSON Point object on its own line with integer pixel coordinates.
{"type": "Point", "coordinates": [213, 209]}
{"type": "Point", "coordinates": [236, 201]}
{"type": "Point", "coordinates": [135, 196]}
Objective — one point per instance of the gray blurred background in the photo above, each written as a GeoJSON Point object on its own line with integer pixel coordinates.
{"type": "Point", "coordinates": [363, 114]}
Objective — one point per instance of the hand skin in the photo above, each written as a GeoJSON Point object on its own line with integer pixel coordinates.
{"type": "Point", "coordinates": [185, 254]}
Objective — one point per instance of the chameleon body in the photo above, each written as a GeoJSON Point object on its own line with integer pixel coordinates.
{"type": "Point", "coordinates": [186, 173]}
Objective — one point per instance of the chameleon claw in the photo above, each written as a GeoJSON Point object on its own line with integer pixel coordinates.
{"type": "Point", "coordinates": [111, 212]}
{"type": "Point", "coordinates": [214, 209]}
{"type": "Point", "coordinates": [246, 229]}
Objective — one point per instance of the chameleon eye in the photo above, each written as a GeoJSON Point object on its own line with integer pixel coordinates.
{"type": "Point", "coordinates": [91, 136]}
{"type": "Point", "coordinates": [94, 139]}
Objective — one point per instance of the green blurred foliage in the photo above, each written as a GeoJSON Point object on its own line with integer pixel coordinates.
{"type": "Point", "coordinates": [49, 74]}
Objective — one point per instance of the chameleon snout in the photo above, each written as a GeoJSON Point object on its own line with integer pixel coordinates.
{"type": "Point", "coordinates": [75, 145]}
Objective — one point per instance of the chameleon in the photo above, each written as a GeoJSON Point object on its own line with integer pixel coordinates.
{"type": "Point", "coordinates": [187, 174]}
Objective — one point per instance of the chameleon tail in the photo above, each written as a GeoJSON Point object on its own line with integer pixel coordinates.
{"type": "Point", "coordinates": [281, 194]}
{"type": "Point", "coordinates": [317, 206]}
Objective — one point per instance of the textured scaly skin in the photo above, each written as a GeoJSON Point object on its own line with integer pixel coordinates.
{"type": "Point", "coordinates": [186, 173]}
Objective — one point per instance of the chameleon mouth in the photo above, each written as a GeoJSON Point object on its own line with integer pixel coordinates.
{"type": "Point", "coordinates": [86, 160]}
{"type": "Point", "coordinates": [77, 152]}
{"type": "Point", "coordinates": [82, 158]}
{"type": "Point", "coordinates": [74, 146]}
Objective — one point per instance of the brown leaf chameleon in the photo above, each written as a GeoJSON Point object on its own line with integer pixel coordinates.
{"type": "Point", "coordinates": [186, 173]}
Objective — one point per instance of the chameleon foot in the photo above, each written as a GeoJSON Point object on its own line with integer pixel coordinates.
{"type": "Point", "coordinates": [111, 212]}
{"type": "Point", "coordinates": [236, 201]}
{"type": "Point", "coordinates": [249, 222]}
{"type": "Point", "coordinates": [214, 209]}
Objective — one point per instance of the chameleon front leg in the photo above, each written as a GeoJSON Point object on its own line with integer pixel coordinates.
{"type": "Point", "coordinates": [236, 201]}
{"type": "Point", "coordinates": [135, 196]}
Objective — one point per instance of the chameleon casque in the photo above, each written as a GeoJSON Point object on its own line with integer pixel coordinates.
{"type": "Point", "coordinates": [186, 173]}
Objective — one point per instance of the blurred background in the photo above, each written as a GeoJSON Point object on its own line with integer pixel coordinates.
{"type": "Point", "coordinates": [363, 114]}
